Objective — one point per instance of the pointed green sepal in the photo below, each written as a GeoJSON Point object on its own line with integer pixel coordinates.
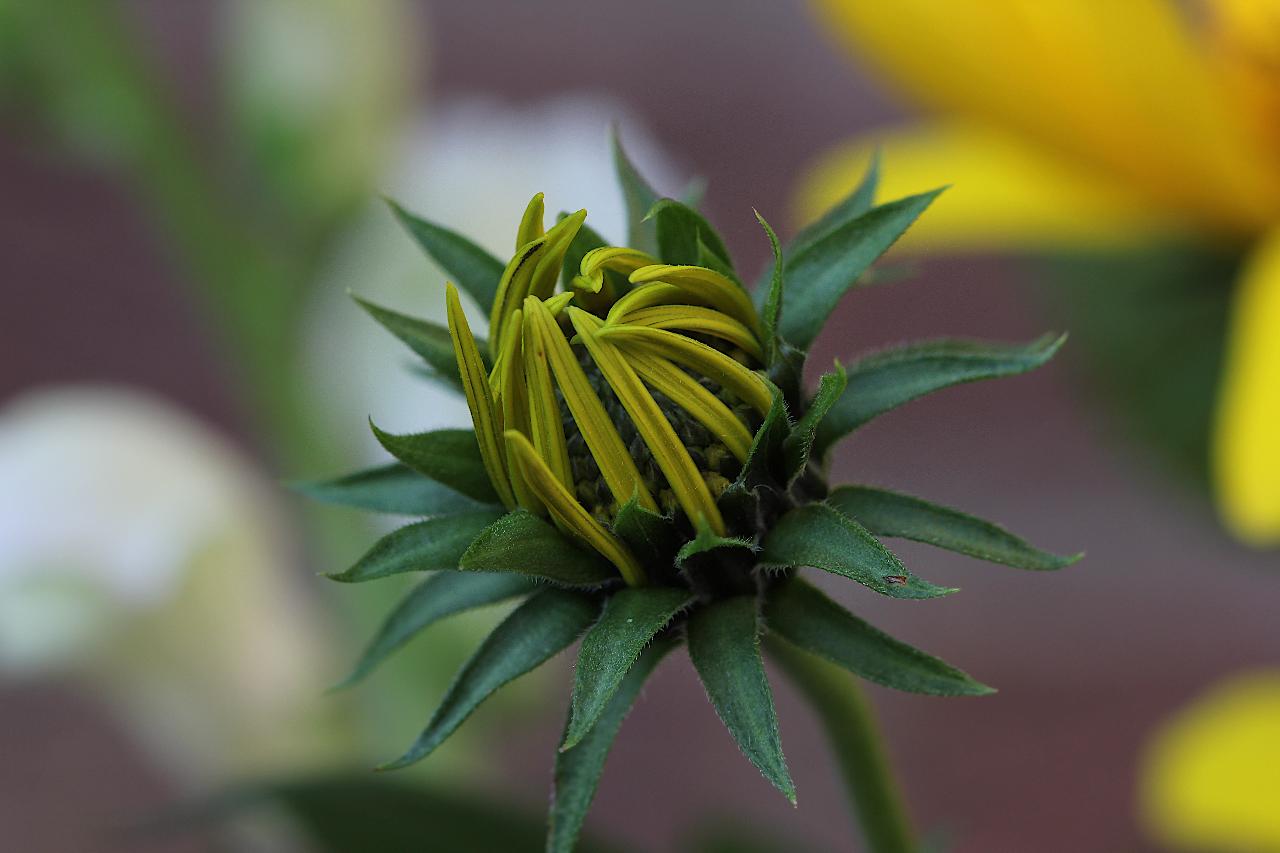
{"type": "Point", "coordinates": [803, 616]}
{"type": "Point", "coordinates": [578, 770]}
{"type": "Point", "coordinates": [824, 270]}
{"type": "Point", "coordinates": [429, 340]}
{"type": "Point", "coordinates": [798, 446]}
{"type": "Point", "coordinates": [638, 197]}
{"type": "Point", "coordinates": [680, 229]}
{"type": "Point", "coordinates": [521, 543]}
{"type": "Point", "coordinates": [855, 204]}
{"type": "Point", "coordinates": [724, 645]}
{"type": "Point", "coordinates": [448, 456]}
{"type": "Point", "coordinates": [393, 489]}
{"type": "Point", "coordinates": [819, 536]}
{"type": "Point", "coordinates": [437, 543]}
{"type": "Point", "coordinates": [439, 596]}
{"type": "Point", "coordinates": [896, 515]}
{"type": "Point", "coordinates": [771, 311]}
{"type": "Point", "coordinates": [885, 380]}
{"type": "Point", "coordinates": [471, 267]}
{"type": "Point", "coordinates": [534, 633]}
{"type": "Point", "coordinates": [631, 619]}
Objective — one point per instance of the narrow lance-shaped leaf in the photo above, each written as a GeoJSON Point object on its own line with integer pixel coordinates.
{"type": "Point", "coordinates": [803, 616]}
{"type": "Point", "coordinates": [631, 618]}
{"type": "Point", "coordinates": [772, 308]}
{"type": "Point", "coordinates": [448, 456]}
{"type": "Point", "coordinates": [522, 543]}
{"type": "Point", "coordinates": [887, 513]}
{"type": "Point", "coordinates": [533, 633]}
{"type": "Point", "coordinates": [429, 340]}
{"type": "Point", "coordinates": [439, 596]}
{"type": "Point", "coordinates": [578, 770]}
{"type": "Point", "coordinates": [437, 543]}
{"type": "Point", "coordinates": [394, 489]}
{"type": "Point", "coordinates": [885, 380]}
{"type": "Point", "coordinates": [825, 270]}
{"type": "Point", "coordinates": [724, 644]}
{"type": "Point", "coordinates": [475, 270]}
{"type": "Point", "coordinates": [638, 197]}
{"type": "Point", "coordinates": [819, 536]}
{"type": "Point", "coordinates": [799, 444]}
{"type": "Point", "coordinates": [680, 230]}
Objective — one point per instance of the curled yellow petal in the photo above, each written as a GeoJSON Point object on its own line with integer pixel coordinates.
{"type": "Point", "coordinates": [531, 223]}
{"type": "Point", "coordinates": [668, 451]}
{"type": "Point", "coordinates": [716, 290]}
{"type": "Point", "coordinates": [616, 258]}
{"type": "Point", "coordinates": [1246, 452]}
{"type": "Point", "coordinates": [607, 448]}
{"type": "Point", "coordinates": [545, 423]}
{"type": "Point", "coordinates": [689, 318]}
{"type": "Point", "coordinates": [569, 513]}
{"type": "Point", "coordinates": [475, 385]}
{"type": "Point", "coordinates": [1209, 779]}
{"type": "Point", "coordinates": [649, 295]}
{"type": "Point", "coordinates": [745, 384]}
{"type": "Point", "coordinates": [687, 393]}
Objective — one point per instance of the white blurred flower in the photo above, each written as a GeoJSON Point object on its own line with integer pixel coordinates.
{"type": "Point", "coordinates": [473, 169]}
{"type": "Point", "coordinates": [143, 552]}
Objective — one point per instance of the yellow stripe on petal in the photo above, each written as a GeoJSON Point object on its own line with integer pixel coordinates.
{"type": "Point", "coordinates": [745, 384]}
{"type": "Point", "coordinates": [668, 451]}
{"type": "Point", "coordinates": [1210, 779]}
{"type": "Point", "coordinates": [690, 395]}
{"type": "Point", "coordinates": [705, 321]}
{"type": "Point", "coordinates": [475, 385]}
{"type": "Point", "coordinates": [1006, 194]}
{"type": "Point", "coordinates": [531, 223]}
{"type": "Point", "coordinates": [1246, 452]}
{"type": "Point", "coordinates": [569, 513]}
{"type": "Point", "coordinates": [717, 290]}
{"type": "Point", "coordinates": [545, 423]}
{"type": "Point", "coordinates": [607, 448]}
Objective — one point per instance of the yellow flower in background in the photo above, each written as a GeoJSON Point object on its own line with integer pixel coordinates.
{"type": "Point", "coordinates": [1070, 124]}
{"type": "Point", "coordinates": [1211, 777]}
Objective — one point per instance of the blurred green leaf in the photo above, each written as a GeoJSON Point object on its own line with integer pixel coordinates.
{"type": "Point", "coordinates": [429, 340]}
{"type": "Point", "coordinates": [724, 644]}
{"type": "Point", "coordinates": [823, 270]}
{"type": "Point", "coordinates": [803, 616]}
{"type": "Point", "coordinates": [393, 489]}
{"type": "Point", "coordinates": [631, 618]}
{"type": "Point", "coordinates": [437, 543]}
{"type": "Point", "coordinates": [885, 380]}
{"type": "Point", "coordinates": [449, 456]}
{"type": "Point", "coordinates": [578, 769]}
{"type": "Point", "coordinates": [539, 628]}
{"type": "Point", "coordinates": [441, 595]}
{"type": "Point", "coordinates": [887, 513]}
{"type": "Point", "coordinates": [470, 267]}
{"type": "Point", "coordinates": [521, 543]}
{"type": "Point", "coordinates": [638, 197]}
{"type": "Point", "coordinates": [817, 535]}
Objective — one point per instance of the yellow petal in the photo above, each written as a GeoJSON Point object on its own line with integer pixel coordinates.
{"type": "Point", "coordinates": [1005, 193]}
{"type": "Point", "coordinates": [475, 385]}
{"type": "Point", "coordinates": [545, 423]}
{"type": "Point", "coordinates": [1246, 453]}
{"type": "Point", "coordinates": [667, 449]}
{"type": "Point", "coordinates": [507, 380]}
{"type": "Point", "coordinates": [531, 223]}
{"type": "Point", "coordinates": [547, 272]}
{"type": "Point", "coordinates": [690, 395]}
{"type": "Point", "coordinates": [513, 287]}
{"type": "Point", "coordinates": [570, 514]}
{"type": "Point", "coordinates": [717, 290]}
{"type": "Point", "coordinates": [1211, 777]}
{"type": "Point", "coordinates": [746, 385]}
{"type": "Point", "coordinates": [607, 448]}
{"type": "Point", "coordinates": [1122, 88]}
{"type": "Point", "coordinates": [691, 318]}
{"type": "Point", "coordinates": [616, 258]}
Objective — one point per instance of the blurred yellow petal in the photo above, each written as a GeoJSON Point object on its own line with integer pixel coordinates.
{"type": "Point", "coordinates": [1211, 776]}
{"type": "Point", "coordinates": [1247, 442]}
{"type": "Point", "coordinates": [1122, 88]}
{"type": "Point", "coordinates": [1005, 194]}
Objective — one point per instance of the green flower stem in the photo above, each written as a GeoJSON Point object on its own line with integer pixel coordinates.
{"type": "Point", "coordinates": [854, 736]}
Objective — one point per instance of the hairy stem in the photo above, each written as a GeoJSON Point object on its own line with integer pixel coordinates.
{"type": "Point", "coordinates": [855, 739]}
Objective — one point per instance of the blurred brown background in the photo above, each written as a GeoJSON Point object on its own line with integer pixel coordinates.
{"type": "Point", "coordinates": [1087, 662]}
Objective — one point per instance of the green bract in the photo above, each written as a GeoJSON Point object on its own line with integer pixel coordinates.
{"type": "Point", "coordinates": [646, 470]}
